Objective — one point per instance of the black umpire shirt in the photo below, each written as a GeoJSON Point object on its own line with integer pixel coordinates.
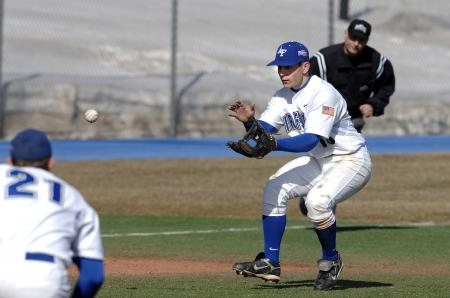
{"type": "Point", "coordinates": [366, 78]}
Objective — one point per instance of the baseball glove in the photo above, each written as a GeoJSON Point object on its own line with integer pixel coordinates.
{"type": "Point", "coordinates": [256, 143]}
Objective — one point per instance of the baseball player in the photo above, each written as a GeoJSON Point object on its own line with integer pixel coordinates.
{"type": "Point", "coordinates": [333, 165]}
{"type": "Point", "coordinates": [45, 225]}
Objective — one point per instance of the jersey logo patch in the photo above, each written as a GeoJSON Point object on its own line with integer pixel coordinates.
{"type": "Point", "coordinates": [294, 121]}
{"type": "Point", "coordinates": [328, 110]}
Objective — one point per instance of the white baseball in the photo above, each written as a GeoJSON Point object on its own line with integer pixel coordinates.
{"type": "Point", "coordinates": [91, 115]}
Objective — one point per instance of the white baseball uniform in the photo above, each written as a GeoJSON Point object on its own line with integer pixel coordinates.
{"type": "Point", "coordinates": [44, 223]}
{"type": "Point", "coordinates": [334, 169]}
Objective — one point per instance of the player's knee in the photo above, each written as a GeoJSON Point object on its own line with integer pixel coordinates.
{"type": "Point", "coordinates": [320, 210]}
{"type": "Point", "coordinates": [325, 222]}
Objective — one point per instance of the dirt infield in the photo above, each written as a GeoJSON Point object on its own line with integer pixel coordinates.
{"type": "Point", "coordinates": [125, 266]}
{"type": "Point", "coordinates": [122, 266]}
{"type": "Point", "coordinates": [140, 267]}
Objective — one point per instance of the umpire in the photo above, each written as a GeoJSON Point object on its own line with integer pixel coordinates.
{"type": "Point", "coordinates": [360, 73]}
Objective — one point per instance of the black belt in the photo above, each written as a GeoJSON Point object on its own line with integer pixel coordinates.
{"type": "Point", "coordinates": [36, 256]}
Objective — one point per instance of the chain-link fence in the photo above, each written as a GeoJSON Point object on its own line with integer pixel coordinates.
{"type": "Point", "coordinates": [61, 57]}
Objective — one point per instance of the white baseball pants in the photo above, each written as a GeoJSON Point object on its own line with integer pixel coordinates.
{"type": "Point", "coordinates": [323, 183]}
{"type": "Point", "coordinates": [21, 278]}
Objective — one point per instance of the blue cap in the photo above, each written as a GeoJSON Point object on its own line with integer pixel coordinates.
{"type": "Point", "coordinates": [30, 144]}
{"type": "Point", "coordinates": [290, 53]}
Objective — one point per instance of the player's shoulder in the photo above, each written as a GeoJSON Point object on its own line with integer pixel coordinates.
{"type": "Point", "coordinates": [283, 94]}
{"type": "Point", "coordinates": [35, 173]}
{"type": "Point", "coordinates": [319, 84]}
{"type": "Point", "coordinates": [324, 89]}
{"type": "Point", "coordinates": [43, 174]}
{"type": "Point", "coordinates": [4, 166]}
{"type": "Point", "coordinates": [70, 192]}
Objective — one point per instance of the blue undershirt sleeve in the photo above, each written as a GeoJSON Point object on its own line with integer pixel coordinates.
{"type": "Point", "coordinates": [301, 143]}
{"type": "Point", "coordinates": [90, 279]}
{"type": "Point", "coordinates": [266, 126]}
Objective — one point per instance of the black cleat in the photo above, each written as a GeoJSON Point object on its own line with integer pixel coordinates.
{"type": "Point", "coordinates": [328, 273]}
{"type": "Point", "coordinates": [262, 268]}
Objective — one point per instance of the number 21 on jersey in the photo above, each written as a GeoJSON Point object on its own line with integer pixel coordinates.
{"type": "Point", "coordinates": [20, 186]}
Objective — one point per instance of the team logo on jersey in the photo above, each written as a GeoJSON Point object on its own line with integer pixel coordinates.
{"type": "Point", "coordinates": [281, 51]}
{"type": "Point", "coordinates": [293, 121]}
{"type": "Point", "coordinates": [328, 110]}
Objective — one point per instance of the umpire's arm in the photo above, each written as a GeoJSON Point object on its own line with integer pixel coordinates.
{"type": "Point", "coordinates": [383, 89]}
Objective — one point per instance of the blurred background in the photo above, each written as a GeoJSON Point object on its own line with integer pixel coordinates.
{"type": "Point", "coordinates": [168, 68]}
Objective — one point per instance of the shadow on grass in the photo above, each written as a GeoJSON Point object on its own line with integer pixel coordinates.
{"type": "Point", "coordinates": [371, 227]}
{"type": "Point", "coordinates": [341, 284]}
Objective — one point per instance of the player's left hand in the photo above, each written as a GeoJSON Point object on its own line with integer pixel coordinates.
{"type": "Point", "coordinates": [256, 143]}
{"type": "Point", "coordinates": [366, 109]}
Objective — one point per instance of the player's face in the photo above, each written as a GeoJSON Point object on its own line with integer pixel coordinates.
{"type": "Point", "coordinates": [353, 46]}
{"type": "Point", "coordinates": [292, 76]}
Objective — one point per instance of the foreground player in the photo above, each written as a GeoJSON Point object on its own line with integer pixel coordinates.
{"type": "Point", "coordinates": [337, 165]}
{"type": "Point", "coordinates": [45, 224]}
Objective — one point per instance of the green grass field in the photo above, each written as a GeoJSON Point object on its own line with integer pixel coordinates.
{"type": "Point", "coordinates": [224, 285]}
{"type": "Point", "coordinates": [394, 235]}
{"type": "Point", "coordinates": [385, 261]}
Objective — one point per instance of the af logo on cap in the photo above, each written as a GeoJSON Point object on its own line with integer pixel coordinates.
{"type": "Point", "coordinates": [281, 51]}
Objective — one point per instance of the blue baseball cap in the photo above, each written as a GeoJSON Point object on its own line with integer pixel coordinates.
{"type": "Point", "coordinates": [290, 53]}
{"type": "Point", "coordinates": [30, 144]}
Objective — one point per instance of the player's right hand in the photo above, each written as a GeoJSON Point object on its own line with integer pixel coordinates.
{"type": "Point", "coordinates": [242, 111]}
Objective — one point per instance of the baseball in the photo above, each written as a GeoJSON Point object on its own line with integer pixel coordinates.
{"type": "Point", "coordinates": [91, 115]}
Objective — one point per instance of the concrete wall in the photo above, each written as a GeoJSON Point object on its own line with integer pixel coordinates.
{"type": "Point", "coordinates": [139, 107]}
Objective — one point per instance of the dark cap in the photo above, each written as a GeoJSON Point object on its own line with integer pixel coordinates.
{"type": "Point", "coordinates": [359, 29]}
{"type": "Point", "coordinates": [30, 144]}
{"type": "Point", "coordinates": [290, 53]}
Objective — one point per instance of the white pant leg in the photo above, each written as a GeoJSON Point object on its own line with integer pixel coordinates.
{"type": "Point", "coordinates": [33, 279]}
{"type": "Point", "coordinates": [294, 179]}
{"type": "Point", "coordinates": [342, 177]}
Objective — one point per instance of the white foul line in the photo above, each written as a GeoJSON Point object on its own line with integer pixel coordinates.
{"type": "Point", "coordinates": [187, 232]}
{"type": "Point", "coordinates": [232, 230]}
